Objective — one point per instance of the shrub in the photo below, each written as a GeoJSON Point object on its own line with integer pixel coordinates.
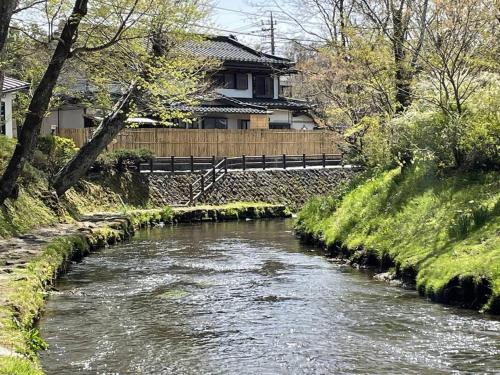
{"type": "Point", "coordinates": [122, 160]}
{"type": "Point", "coordinates": [52, 153]}
{"type": "Point", "coordinates": [468, 140]}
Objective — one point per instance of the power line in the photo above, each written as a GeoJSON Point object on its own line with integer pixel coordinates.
{"type": "Point", "coordinates": [253, 34]}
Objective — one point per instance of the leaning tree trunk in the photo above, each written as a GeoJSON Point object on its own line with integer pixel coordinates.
{"type": "Point", "coordinates": [40, 102]}
{"type": "Point", "coordinates": [7, 8]}
{"type": "Point", "coordinates": [109, 128]}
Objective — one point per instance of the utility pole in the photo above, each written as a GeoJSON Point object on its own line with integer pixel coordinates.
{"type": "Point", "coordinates": [272, 30]}
{"type": "Point", "coordinates": [273, 44]}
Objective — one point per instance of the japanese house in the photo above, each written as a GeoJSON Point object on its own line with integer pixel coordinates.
{"type": "Point", "coordinates": [249, 89]}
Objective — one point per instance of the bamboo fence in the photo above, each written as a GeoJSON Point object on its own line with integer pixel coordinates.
{"type": "Point", "coordinates": [197, 142]}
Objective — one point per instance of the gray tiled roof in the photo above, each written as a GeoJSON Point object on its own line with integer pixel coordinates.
{"type": "Point", "coordinates": [220, 109]}
{"type": "Point", "coordinates": [12, 84]}
{"type": "Point", "coordinates": [281, 103]}
{"type": "Point", "coordinates": [228, 49]}
{"type": "Point", "coordinates": [225, 104]}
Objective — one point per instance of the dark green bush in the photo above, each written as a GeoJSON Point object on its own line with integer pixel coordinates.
{"type": "Point", "coordinates": [122, 160]}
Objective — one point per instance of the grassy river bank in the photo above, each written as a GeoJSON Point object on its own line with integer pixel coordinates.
{"type": "Point", "coordinates": [437, 231]}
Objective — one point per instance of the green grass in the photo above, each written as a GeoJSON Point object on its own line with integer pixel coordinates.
{"type": "Point", "coordinates": [443, 229]}
{"type": "Point", "coordinates": [18, 366]}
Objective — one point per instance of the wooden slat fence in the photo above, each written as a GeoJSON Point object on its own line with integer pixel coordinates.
{"type": "Point", "coordinates": [181, 142]}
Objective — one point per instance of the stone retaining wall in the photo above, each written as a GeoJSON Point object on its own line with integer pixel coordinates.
{"type": "Point", "coordinates": [288, 187]}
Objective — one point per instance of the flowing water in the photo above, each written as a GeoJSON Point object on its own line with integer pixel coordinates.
{"type": "Point", "coordinates": [247, 298]}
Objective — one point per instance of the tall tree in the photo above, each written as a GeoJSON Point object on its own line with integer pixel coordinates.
{"type": "Point", "coordinates": [39, 104]}
{"type": "Point", "coordinates": [402, 22]}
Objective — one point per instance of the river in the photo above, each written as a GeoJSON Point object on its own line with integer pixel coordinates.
{"type": "Point", "coordinates": [248, 298]}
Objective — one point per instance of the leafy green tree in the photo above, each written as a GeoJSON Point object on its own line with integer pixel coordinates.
{"type": "Point", "coordinates": [108, 42]}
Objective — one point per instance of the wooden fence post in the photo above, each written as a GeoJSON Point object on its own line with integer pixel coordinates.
{"type": "Point", "coordinates": [264, 162]}
{"type": "Point", "coordinates": [151, 165]}
{"type": "Point", "coordinates": [304, 160]}
{"type": "Point", "coordinates": [213, 160]}
{"type": "Point", "coordinates": [191, 197]}
{"type": "Point", "coordinates": [244, 162]}
{"type": "Point", "coordinates": [172, 164]}
{"type": "Point", "coordinates": [225, 165]}
{"type": "Point", "coordinates": [192, 164]}
{"type": "Point", "coordinates": [324, 160]}
{"type": "Point", "coordinates": [284, 161]}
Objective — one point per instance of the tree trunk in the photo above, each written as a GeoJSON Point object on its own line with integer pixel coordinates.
{"type": "Point", "coordinates": [402, 73]}
{"type": "Point", "coordinates": [7, 8]}
{"type": "Point", "coordinates": [40, 102]}
{"type": "Point", "coordinates": [109, 128]}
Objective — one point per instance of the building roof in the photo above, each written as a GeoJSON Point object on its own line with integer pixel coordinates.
{"type": "Point", "coordinates": [228, 49]}
{"type": "Point", "coordinates": [12, 85]}
{"type": "Point", "coordinates": [281, 103]}
{"type": "Point", "coordinates": [225, 104]}
{"type": "Point", "coordinates": [222, 104]}
{"type": "Point", "coordinates": [212, 109]}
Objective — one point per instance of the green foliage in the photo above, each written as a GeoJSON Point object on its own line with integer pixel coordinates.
{"type": "Point", "coordinates": [35, 340]}
{"type": "Point", "coordinates": [440, 226]}
{"type": "Point", "coordinates": [123, 159]}
{"type": "Point", "coordinates": [18, 366]}
{"type": "Point", "coordinates": [52, 153]}
{"type": "Point", "coordinates": [6, 148]}
{"type": "Point", "coordinates": [469, 140]}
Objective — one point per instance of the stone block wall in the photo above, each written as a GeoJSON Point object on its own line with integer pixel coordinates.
{"type": "Point", "coordinates": [289, 187]}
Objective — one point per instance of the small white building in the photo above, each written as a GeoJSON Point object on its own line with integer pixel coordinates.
{"type": "Point", "coordinates": [7, 123]}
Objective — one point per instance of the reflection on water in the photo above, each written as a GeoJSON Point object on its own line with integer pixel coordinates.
{"type": "Point", "coordinates": [247, 298]}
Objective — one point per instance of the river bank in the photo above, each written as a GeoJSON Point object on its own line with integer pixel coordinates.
{"type": "Point", "coordinates": [31, 263]}
{"type": "Point", "coordinates": [439, 232]}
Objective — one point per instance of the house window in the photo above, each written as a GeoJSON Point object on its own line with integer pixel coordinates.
{"type": "Point", "coordinates": [263, 86]}
{"type": "Point", "coordinates": [279, 125]}
{"type": "Point", "coordinates": [243, 124]}
{"type": "Point", "coordinates": [241, 81]}
{"type": "Point", "coordinates": [231, 80]}
{"type": "Point", "coordinates": [214, 123]}
{"type": "Point", "coordinates": [2, 119]}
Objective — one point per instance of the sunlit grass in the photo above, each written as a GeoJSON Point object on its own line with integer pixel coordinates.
{"type": "Point", "coordinates": [440, 226]}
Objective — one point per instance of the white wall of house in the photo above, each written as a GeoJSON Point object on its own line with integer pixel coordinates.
{"type": "Point", "coordinates": [303, 122]}
{"type": "Point", "coordinates": [48, 122]}
{"type": "Point", "coordinates": [64, 118]}
{"type": "Point", "coordinates": [232, 93]}
{"type": "Point", "coordinates": [71, 118]}
{"type": "Point", "coordinates": [233, 120]}
{"type": "Point", "coordinates": [10, 126]}
{"type": "Point", "coordinates": [281, 116]}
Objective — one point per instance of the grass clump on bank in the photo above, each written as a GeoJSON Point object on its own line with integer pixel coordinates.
{"type": "Point", "coordinates": [440, 230]}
